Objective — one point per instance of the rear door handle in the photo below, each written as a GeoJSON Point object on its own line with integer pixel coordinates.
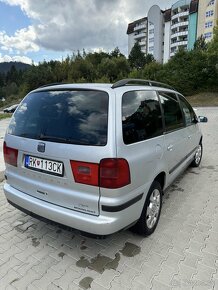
{"type": "Point", "coordinates": [170, 148]}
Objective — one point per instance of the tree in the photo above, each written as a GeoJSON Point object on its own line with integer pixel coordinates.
{"type": "Point", "coordinates": [213, 45]}
{"type": "Point", "coordinates": [136, 57]}
{"type": "Point", "coordinates": [116, 53]}
{"type": "Point", "coordinates": [200, 43]}
{"type": "Point", "coordinates": [149, 58]}
{"type": "Point", "coordinates": [212, 59]}
{"type": "Point", "coordinates": [12, 75]}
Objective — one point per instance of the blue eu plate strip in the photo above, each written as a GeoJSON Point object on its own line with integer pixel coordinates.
{"type": "Point", "coordinates": [27, 160]}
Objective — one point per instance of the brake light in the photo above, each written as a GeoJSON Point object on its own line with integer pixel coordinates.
{"type": "Point", "coordinates": [111, 173]}
{"type": "Point", "coordinates": [10, 155]}
{"type": "Point", "coordinates": [85, 172]}
{"type": "Point", "coordinates": [114, 173]}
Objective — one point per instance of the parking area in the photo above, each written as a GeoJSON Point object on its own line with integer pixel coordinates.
{"type": "Point", "coordinates": [181, 254]}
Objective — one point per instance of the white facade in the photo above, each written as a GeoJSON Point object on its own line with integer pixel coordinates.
{"type": "Point", "coordinates": [163, 33]}
{"type": "Point", "coordinates": [155, 32]}
{"type": "Point", "coordinates": [137, 31]}
{"type": "Point", "coordinates": [167, 34]}
{"type": "Point", "coordinates": [179, 26]}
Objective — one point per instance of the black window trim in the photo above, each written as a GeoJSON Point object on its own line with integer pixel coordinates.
{"type": "Point", "coordinates": [185, 101]}
{"type": "Point", "coordinates": [162, 111]}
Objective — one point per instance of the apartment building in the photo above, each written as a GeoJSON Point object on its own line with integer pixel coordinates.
{"type": "Point", "coordinates": [137, 31]}
{"type": "Point", "coordinates": [148, 31]}
{"type": "Point", "coordinates": [163, 33]}
{"type": "Point", "coordinates": [207, 17]}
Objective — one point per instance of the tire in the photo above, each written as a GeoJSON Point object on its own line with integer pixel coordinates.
{"type": "Point", "coordinates": [149, 218]}
{"type": "Point", "coordinates": [198, 155]}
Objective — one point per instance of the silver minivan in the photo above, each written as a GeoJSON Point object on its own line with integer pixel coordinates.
{"type": "Point", "coordinates": [97, 157]}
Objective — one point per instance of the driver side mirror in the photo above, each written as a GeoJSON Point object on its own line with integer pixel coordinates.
{"type": "Point", "coordinates": [202, 119]}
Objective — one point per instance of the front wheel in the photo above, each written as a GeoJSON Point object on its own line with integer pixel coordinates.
{"type": "Point", "coordinates": [149, 218]}
{"type": "Point", "coordinates": [198, 155]}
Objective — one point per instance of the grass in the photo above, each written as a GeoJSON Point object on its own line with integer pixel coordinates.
{"type": "Point", "coordinates": [204, 100]}
{"type": "Point", "coordinates": [5, 116]}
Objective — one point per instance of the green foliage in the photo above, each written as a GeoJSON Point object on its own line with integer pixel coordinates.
{"type": "Point", "coordinates": [200, 43]}
{"type": "Point", "coordinates": [137, 58]}
{"type": "Point", "coordinates": [213, 45]}
{"type": "Point", "coordinates": [188, 71]}
{"type": "Point", "coordinates": [4, 116]}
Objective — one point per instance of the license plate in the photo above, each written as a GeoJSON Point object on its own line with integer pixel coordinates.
{"type": "Point", "coordinates": [44, 165]}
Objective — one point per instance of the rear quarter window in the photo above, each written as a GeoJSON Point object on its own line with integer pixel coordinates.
{"type": "Point", "coordinates": [172, 112]}
{"type": "Point", "coordinates": [141, 116]}
{"type": "Point", "coordinates": [75, 117]}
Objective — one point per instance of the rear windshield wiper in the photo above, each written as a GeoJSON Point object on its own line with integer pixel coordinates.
{"type": "Point", "coordinates": [52, 138]}
{"type": "Point", "coordinates": [60, 139]}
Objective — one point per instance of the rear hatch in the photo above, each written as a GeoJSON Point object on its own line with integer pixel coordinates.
{"type": "Point", "coordinates": [61, 136]}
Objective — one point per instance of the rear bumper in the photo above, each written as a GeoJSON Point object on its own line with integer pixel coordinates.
{"type": "Point", "coordinates": [104, 224]}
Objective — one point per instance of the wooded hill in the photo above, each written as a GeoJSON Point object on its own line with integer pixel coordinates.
{"type": "Point", "coordinates": [6, 66]}
{"type": "Point", "coordinates": [189, 72]}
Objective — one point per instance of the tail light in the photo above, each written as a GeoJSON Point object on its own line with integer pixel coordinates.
{"type": "Point", "coordinates": [111, 173]}
{"type": "Point", "coordinates": [114, 173]}
{"type": "Point", "coordinates": [10, 155]}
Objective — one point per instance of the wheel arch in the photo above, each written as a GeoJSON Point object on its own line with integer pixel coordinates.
{"type": "Point", "coordinates": [161, 178]}
{"type": "Point", "coordinates": [201, 140]}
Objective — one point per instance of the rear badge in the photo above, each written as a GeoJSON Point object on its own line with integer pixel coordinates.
{"type": "Point", "coordinates": [41, 147]}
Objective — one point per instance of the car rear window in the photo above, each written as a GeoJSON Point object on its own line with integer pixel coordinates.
{"type": "Point", "coordinates": [74, 117]}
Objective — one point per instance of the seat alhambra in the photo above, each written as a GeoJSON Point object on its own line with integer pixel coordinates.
{"type": "Point", "coordinates": [97, 157]}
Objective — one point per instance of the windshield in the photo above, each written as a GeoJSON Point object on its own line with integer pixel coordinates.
{"type": "Point", "coordinates": [74, 117]}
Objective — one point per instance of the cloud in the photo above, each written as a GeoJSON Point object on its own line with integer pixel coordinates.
{"type": "Point", "coordinates": [22, 41]}
{"type": "Point", "coordinates": [17, 58]}
{"type": "Point", "coordinates": [68, 25]}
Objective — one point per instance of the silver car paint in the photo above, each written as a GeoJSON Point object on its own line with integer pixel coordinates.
{"type": "Point", "coordinates": [80, 206]}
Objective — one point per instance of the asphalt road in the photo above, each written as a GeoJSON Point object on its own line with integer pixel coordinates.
{"type": "Point", "coordinates": [181, 254]}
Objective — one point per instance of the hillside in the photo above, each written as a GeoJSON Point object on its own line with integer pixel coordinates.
{"type": "Point", "coordinates": [6, 66]}
{"type": "Point", "coordinates": [205, 99]}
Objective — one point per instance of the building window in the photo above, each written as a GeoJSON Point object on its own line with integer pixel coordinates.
{"type": "Point", "coordinates": [211, 3]}
{"type": "Point", "coordinates": [151, 48]}
{"type": "Point", "coordinates": [151, 31]}
{"type": "Point", "coordinates": [151, 39]}
{"type": "Point", "coordinates": [208, 35]}
{"type": "Point", "coordinates": [208, 24]}
{"type": "Point", "coordinates": [209, 13]}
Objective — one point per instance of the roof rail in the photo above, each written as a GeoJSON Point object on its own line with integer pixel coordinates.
{"type": "Point", "coordinates": [51, 84]}
{"type": "Point", "coordinates": [150, 83]}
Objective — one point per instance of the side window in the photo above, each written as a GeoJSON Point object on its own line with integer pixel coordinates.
{"type": "Point", "coordinates": [172, 112]}
{"type": "Point", "coordinates": [141, 116]}
{"type": "Point", "coordinates": [187, 111]}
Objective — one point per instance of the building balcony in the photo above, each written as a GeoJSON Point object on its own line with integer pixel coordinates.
{"type": "Point", "coordinates": [179, 24]}
{"type": "Point", "coordinates": [140, 35]}
{"type": "Point", "coordinates": [141, 43]}
{"type": "Point", "coordinates": [139, 27]}
{"type": "Point", "coordinates": [177, 34]}
{"type": "Point", "coordinates": [181, 14]}
{"type": "Point", "coordinates": [173, 53]}
{"type": "Point", "coordinates": [179, 43]}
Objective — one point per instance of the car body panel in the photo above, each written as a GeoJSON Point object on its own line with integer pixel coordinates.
{"type": "Point", "coordinates": [96, 209]}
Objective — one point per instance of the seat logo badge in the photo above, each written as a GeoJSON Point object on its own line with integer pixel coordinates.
{"type": "Point", "coordinates": [41, 147]}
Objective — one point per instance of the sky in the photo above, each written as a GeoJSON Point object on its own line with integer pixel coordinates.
{"type": "Point", "coordinates": [38, 30]}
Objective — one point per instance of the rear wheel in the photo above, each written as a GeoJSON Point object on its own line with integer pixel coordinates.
{"type": "Point", "coordinates": [149, 218]}
{"type": "Point", "coordinates": [198, 155]}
